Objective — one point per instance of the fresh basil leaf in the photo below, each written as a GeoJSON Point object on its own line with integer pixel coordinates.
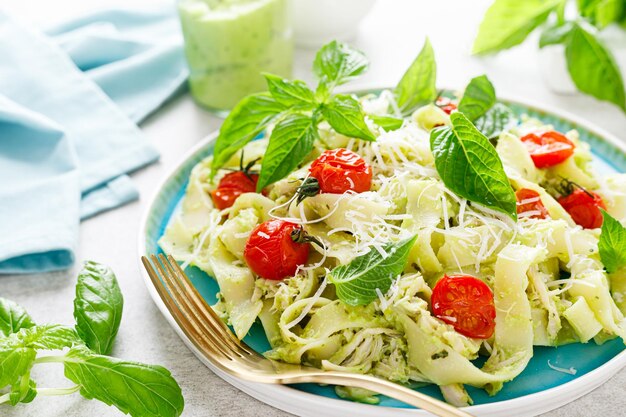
{"type": "Point", "coordinates": [13, 317]}
{"type": "Point", "coordinates": [98, 306]}
{"type": "Point", "coordinates": [18, 350]}
{"type": "Point", "coordinates": [556, 34]}
{"type": "Point", "coordinates": [337, 63]}
{"type": "Point", "coordinates": [134, 388]}
{"type": "Point", "coordinates": [290, 93]}
{"type": "Point", "coordinates": [470, 167]}
{"type": "Point", "coordinates": [23, 391]}
{"type": "Point", "coordinates": [609, 11]}
{"type": "Point", "coordinates": [479, 96]}
{"type": "Point", "coordinates": [508, 22]}
{"type": "Point", "coordinates": [592, 66]}
{"type": "Point", "coordinates": [356, 282]}
{"type": "Point", "coordinates": [388, 123]}
{"type": "Point", "coordinates": [291, 141]}
{"type": "Point", "coordinates": [15, 360]}
{"type": "Point", "coordinates": [612, 244]}
{"type": "Point", "coordinates": [345, 115]}
{"type": "Point", "coordinates": [249, 118]}
{"type": "Point", "coordinates": [602, 12]}
{"type": "Point", "coordinates": [498, 119]}
{"type": "Point", "coordinates": [418, 84]}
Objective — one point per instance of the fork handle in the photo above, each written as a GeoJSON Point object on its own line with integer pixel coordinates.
{"type": "Point", "coordinates": [390, 389]}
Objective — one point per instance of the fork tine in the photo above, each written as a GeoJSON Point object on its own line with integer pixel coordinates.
{"type": "Point", "coordinates": [171, 301]}
{"type": "Point", "coordinates": [173, 285]}
{"type": "Point", "coordinates": [204, 310]}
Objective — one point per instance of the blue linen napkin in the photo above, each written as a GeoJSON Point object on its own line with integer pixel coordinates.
{"type": "Point", "coordinates": [68, 137]}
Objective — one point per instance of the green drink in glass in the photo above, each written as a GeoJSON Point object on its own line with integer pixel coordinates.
{"type": "Point", "coordinates": [228, 43]}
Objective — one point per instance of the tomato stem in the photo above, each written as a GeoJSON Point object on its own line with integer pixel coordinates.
{"type": "Point", "coordinates": [310, 187]}
{"type": "Point", "coordinates": [567, 187]}
{"type": "Point", "coordinates": [298, 235]}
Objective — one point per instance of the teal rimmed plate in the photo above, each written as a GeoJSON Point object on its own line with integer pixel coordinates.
{"type": "Point", "coordinates": [538, 389]}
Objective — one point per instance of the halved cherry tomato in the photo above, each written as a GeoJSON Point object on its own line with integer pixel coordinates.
{"type": "Point", "coordinates": [466, 303]}
{"type": "Point", "coordinates": [231, 186]}
{"type": "Point", "coordinates": [275, 249]}
{"type": "Point", "coordinates": [445, 104]}
{"type": "Point", "coordinates": [530, 201]}
{"type": "Point", "coordinates": [340, 170]}
{"type": "Point", "coordinates": [548, 148]}
{"type": "Point", "coordinates": [584, 207]}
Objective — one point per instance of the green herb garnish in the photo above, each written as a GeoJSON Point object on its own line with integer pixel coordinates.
{"type": "Point", "coordinates": [356, 283]}
{"type": "Point", "coordinates": [478, 98]}
{"type": "Point", "coordinates": [470, 167]}
{"type": "Point", "coordinates": [612, 244]}
{"type": "Point", "coordinates": [295, 112]}
{"type": "Point", "coordinates": [134, 388]}
{"type": "Point", "coordinates": [418, 84]}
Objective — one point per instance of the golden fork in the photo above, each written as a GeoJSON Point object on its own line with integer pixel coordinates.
{"type": "Point", "coordinates": [222, 349]}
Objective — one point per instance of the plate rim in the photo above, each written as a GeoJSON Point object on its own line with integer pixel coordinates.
{"type": "Point", "coordinates": [278, 396]}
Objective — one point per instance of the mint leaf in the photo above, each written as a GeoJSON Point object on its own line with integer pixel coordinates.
{"type": "Point", "coordinates": [337, 63]}
{"type": "Point", "coordinates": [612, 244]}
{"type": "Point", "coordinates": [498, 119]}
{"type": "Point", "coordinates": [388, 123]}
{"type": "Point", "coordinates": [508, 22]}
{"type": "Point", "coordinates": [356, 282]}
{"type": "Point", "coordinates": [13, 317]}
{"type": "Point", "coordinates": [470, 167]}
{"type": "Point", "coordinates": [291, 141]}
{"type": "Point", "coordinates": [592, 67]}
{"type": "Point", "coordinates": [290, 93]}
{"type": "Point", "coordinates": [98, 306]}
{"type": "Point", "coordinates": [345, 115]}
{"type": "Point", "coordinates": [134, 388]}
{"type": "Point", "coordinates": [556, 34]}
{"type": "Point", "coordinates": [479, 96]}
{"type": "Point", "coordinates": [418, 84]}
{"type": "Point", "coordinates": [249, 118]}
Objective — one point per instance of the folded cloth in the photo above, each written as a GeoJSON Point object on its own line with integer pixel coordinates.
{"type": "Point", "coordinates": [62, 135]}
{"type": "Point", "coordinates": [135, 56]}
{"type": "Point", "coordinates": [39, 192]}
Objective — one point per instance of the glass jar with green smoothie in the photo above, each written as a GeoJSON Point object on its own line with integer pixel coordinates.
{"type": "Point", "coordinates": [228, 43]}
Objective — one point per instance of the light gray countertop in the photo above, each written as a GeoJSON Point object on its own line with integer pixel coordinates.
{"type": "Point", "coordinates": [390, 36]}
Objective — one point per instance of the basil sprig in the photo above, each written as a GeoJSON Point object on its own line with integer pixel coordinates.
{"type": "Point", "coordinates": [470, 167]}
{"type": "Point", "coordinates": [612, 244]}
{"type": "Point", "coordinates": [134, 388]}
{"type": "Point", "coordinates": [356, 283]}
{"type": "Point", "coordinates": [591, 65]}
{"type": "Point", "coordinates": [294, 111]}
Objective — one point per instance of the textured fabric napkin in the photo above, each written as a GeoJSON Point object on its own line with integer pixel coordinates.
{"type": "Point", "coordinates": [68, 106]}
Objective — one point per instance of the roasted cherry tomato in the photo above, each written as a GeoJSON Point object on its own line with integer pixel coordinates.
{"type": "Point", "coordinates": [584, 207]}
{"type": "Point", "coordinates": [548, 148]}
{"type": "Point", "coordinates": [231, 186]}
{"type": "Point", "coordinates": [466, 303]}
{"type": "Point", "coordinates": [529, 201]}
{"type": "Point", "coordinates": [340, 170]}
{"type": "Point", "coordinates": [275, 249]}
{"type": "Point", "coordinates": [445, 104]}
